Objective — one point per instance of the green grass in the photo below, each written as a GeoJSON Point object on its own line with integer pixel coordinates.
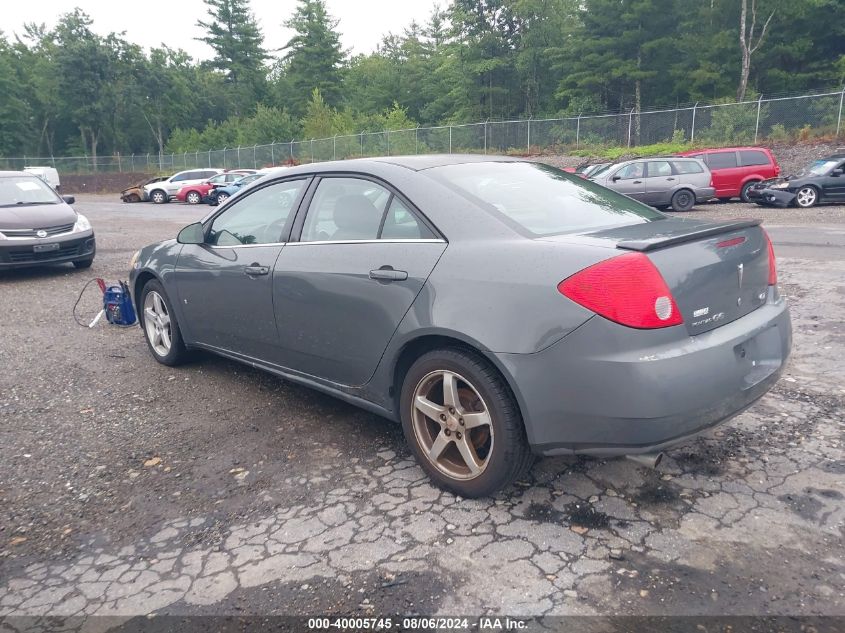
{"type": "Point", "coordinates": [614, 153]}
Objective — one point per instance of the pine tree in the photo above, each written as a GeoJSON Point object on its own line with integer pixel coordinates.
{"type": "Point", "coordinates": [314, 56]}
{"type": "Point", "coordinates": [238, 45]}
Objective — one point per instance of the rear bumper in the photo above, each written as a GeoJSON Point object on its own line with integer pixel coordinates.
{"type": "Point", "coordinates": [704, 194]}
{"type": "Point", "coordinates": [609, 390]}
{"type": "Point", "coordinates": [20, 253]}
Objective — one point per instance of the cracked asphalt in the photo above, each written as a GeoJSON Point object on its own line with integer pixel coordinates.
{"type": "Point", "coordinates": [130, 488]}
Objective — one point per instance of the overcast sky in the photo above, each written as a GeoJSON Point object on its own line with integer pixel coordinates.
{"type": "Point", "coordinates": [173, 22]}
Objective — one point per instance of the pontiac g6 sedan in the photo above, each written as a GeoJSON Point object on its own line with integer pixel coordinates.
{"type": "Point", "coordinates": [496, 308]}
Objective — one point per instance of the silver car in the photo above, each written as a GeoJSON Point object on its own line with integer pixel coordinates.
{"type": "Point", "coordinates": [496, 308]}
{"type": "Point", "coordinates": [661, 182]}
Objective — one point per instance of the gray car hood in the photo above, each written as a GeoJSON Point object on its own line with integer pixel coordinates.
{"type": "Point", "coordinates": [36, 216]}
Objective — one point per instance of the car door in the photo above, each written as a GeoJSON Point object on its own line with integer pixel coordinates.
{"type": "Point", "coordinates": [362, 256]}
{"type": "Point", "coordinates": [659, 182]}
{"type": "Point", "coordinates": [630, 180]}
{"type": "Point", "coordinates": [833, 186]}
{"type": "Point", "coordinates": [225, 286]}
{"type": "Point", "coordinates": [727, 175]}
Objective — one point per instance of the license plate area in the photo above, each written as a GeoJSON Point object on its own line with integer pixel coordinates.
{"type": "Point", "coordinates": [45, 248]}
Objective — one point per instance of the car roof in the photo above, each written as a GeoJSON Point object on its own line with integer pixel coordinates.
{"type": "Point", "coordinates": [412, 163]}
{"type": "Point", "coordinates": [10, 174]}
{"type": "Point", "coordinates": [711, 150]}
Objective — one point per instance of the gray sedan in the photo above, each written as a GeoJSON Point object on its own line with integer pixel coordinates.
{"type": "Point", "coordinates": [496, 308]}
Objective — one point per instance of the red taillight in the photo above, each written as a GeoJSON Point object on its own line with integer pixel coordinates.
{"type": "Point", "coordinates": [627, 289]}
{"type": "Point", "coordinates": [773, 268]}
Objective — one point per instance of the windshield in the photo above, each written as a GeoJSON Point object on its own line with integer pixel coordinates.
{"type": "Point", "coordinates": [540, 199]}
{"type": "Point", "coordinates": [820, 167]}
{"type": "Point", "coordinates": [600, 170]}
{"type": "Point", "coordinates": [26, 190]}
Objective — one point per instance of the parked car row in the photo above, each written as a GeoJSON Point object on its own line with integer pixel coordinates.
{"type": "Point", "coordinates": [681, 180]}
{"type": "Point", "coordinates": [193, 186]}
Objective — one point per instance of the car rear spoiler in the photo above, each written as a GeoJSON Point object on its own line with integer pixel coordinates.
{"type": "Point", "coordinates": [653, 243]}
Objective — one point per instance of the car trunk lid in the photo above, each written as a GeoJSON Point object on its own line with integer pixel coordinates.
{"type": "Point", "coordinates": [717, 272]}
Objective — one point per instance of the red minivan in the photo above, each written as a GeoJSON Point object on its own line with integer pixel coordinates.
{"type": "Point", "coordinates": [736, 169]}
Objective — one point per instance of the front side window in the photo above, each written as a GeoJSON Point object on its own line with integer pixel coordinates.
{"type": "Point", "coordinates": [659, 168]}
{"type": "Point", "coordinates": [721, 160]}
{"type": "Point", "coordinates": [539, 199]}
{"type": "Point", "coordinates": [257, 218]}
{"type": "Point", "coordinates": [634, 170]}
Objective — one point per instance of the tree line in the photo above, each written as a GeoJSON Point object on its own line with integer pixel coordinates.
{"type": "Point", "coordinates": [69, 91]}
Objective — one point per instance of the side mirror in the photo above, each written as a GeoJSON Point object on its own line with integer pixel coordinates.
{"type": "Point", "coordinates": [615, 178]}
{"type": "Point", "coordinates": [192, 234]}
{"type": "Point", "coordinates": [69, 199]}
{"type": "Point", "coordinates": [836, 172]}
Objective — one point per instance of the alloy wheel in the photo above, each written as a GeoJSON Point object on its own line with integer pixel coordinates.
{"type": "Point", "coordinates": [221, 198]}
{"type": "Point", "coordinates": [806, 197]}
{"type": "Point", "coordinates": [452, 424]}
{"type": "Point", "coordinates": [157, 323]}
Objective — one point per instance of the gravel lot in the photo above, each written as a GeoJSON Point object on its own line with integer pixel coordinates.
{"type": "Point", "coordinates": [130, 488]}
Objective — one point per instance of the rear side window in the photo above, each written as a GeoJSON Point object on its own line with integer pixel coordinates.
{"type": "Point", "coordinates": [659, 168]}
{"type": "Point", "coordinates": [753, 157]}
{"type": "Point", "coordinates": [537, 199]}
{"type": "Point", "coordinates": [400, 223]}
{"type": "Point", "coordinates": [687, 167]}
{"type": "Point", "coordinates": [721, 160]}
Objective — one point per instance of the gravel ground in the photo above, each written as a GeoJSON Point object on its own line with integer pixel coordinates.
{"type": "Point", "coordinates": [130, 488]}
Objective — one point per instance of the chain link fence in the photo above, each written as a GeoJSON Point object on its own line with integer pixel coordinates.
{"type": "Point", "coordinates": [764, 120]}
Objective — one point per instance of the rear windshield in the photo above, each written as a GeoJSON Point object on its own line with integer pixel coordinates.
{"type": "Point", "coordinates": [19, 191]}
{"type": "Point", "coordinates": [539, 199]}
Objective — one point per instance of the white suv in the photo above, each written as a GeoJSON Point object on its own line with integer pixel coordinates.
{"type": "Point", "coordinates": [165, 190]}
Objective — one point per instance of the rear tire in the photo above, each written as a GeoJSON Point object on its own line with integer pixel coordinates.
{"type": "Point", "coordinates": [161, 329]}
{"type": "Point", "coordinates": [743, 195]}
{"type": "Point", "coordinates": [462, 423]}
{"type": "Point", "coordinates": [683, 200]}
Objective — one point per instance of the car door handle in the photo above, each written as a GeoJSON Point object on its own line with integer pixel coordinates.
{"type": "Point", "coordinates": [255, 270]}
{"type": "Point", "coordinates": [388, 274]}
{"type": "Point", "coordinates": [670, 179]}
{"type": "Point", "coordinates": [637, 182]}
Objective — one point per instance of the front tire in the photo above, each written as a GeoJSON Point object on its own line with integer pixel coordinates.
{"type": "Point", "coordinates": [193, 197]}
{"type": "Point", "coordinates": [806, 197]}
{"type": "Point", "coordinates": [222, 197]}
{"type": "Point", "coordinates": [462, 423]}
{"type": "Point", "coordinates": [161, 329]}
{"type": "Point", "coordinates": [158, 196]}
{"type": "Point", "coordinates": [683, 200]}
